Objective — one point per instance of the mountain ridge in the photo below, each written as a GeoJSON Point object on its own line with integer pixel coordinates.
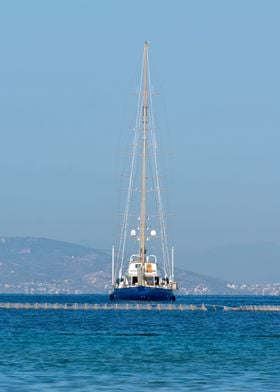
{"type": "Point", "coordinates": [41, 265]}
{"type": "Point", "coordinates": [259, 262]}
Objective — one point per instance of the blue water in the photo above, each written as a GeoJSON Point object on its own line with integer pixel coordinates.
{"type": "Point", "coordinates": [139, 350]}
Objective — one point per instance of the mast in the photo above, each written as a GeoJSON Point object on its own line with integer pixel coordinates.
{"type": "Point", "coordinates": [144, 157]}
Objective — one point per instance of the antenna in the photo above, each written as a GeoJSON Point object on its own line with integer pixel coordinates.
{"type": "Point", "coordinates": [113, 264]}
{"type": "Point", "coordinates": [172, 264]}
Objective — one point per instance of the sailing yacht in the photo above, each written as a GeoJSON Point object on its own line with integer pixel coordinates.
{"type": "Point", "coordinates": [143, 268]}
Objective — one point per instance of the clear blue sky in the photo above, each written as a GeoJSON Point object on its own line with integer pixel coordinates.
{"type": "Point", "coordinates": [67, 70]}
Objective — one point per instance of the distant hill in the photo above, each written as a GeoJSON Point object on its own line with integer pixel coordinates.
{"type": "Point", "coordinates": [198, 284]}
{"type": "Point", "coordinates": [39, 265]}
{"type": "Point", "coordinates": [258, 262]}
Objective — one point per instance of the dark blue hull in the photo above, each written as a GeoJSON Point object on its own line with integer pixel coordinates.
{"type": "Point", "coordinates": [142, 293]}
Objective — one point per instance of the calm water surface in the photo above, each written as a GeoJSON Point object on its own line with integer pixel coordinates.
{"type": "Point", "coordinates": [104, 350]}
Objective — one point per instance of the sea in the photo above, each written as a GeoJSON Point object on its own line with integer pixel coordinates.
{"type": "Point", "coordinates": [139, 350]}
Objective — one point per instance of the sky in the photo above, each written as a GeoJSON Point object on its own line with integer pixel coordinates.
{"type": "Point", "coordinates": [68, 76]}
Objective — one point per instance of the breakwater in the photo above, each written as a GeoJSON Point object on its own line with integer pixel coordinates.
{"type": "Point", "coordinates": [137, 306]}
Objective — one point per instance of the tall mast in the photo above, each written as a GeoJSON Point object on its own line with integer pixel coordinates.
{"type": "Point", "coordinates": [144, 153]}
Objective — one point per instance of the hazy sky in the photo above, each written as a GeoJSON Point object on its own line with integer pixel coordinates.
{"type": "Point", "coordinates": [68, 71]}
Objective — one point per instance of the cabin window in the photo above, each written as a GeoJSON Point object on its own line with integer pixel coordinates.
{"type": "Point", "coordinates": [134, 280]}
